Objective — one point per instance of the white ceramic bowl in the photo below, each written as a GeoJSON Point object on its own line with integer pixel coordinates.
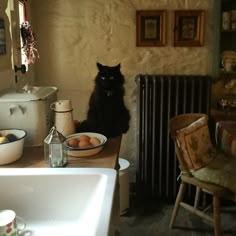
{"type": "Point", "coordinates": [87, 151]}
{"type": "Point", "coordinates": [12, 151]}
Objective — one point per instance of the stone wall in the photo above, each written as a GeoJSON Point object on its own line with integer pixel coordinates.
{"type": "Point", "coordinates": [73, 35]}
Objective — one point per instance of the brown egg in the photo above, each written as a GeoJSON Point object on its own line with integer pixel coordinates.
{"type": "Point", "coordinates": [73, 142]}
{"type": "Point", "coordinates": [94, 141]}
{"type": "Point", "coordinates": [84, 144]}
{"type": "Point", "coordinates": [84, 137]}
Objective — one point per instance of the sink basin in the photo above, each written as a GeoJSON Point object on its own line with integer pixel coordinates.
{"type": "Point", "coordinates": [60, 201]}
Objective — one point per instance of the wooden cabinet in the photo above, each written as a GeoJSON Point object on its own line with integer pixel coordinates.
{"type": "Point", "coordinates": [227, 45]}
{"type": "Point", "coordinates": [224, 89]}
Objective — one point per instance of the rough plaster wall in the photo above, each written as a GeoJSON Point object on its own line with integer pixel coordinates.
{"type": "Point", "coordinates": [73, 35]}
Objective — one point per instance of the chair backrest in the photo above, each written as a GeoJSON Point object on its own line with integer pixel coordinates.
{"type": "Point", "coordinates": [177, 123]}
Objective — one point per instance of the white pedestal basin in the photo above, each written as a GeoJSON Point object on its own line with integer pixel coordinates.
{"type": "Point", "coordinates": [60, 201]}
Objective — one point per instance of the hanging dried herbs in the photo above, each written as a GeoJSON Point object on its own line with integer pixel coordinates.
{"type": "Point", "coordinates": [28, 39]}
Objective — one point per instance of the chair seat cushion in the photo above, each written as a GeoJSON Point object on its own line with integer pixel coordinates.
{"type": "Point", "coordinates": [221, 171]}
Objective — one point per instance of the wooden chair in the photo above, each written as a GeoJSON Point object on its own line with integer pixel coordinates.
{"type": "Point", "coordinates": [216, 191]}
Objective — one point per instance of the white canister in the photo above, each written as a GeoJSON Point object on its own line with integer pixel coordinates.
{"type": "Point", "coordinates": [63, 117]}
{"type": "Point", "coordinates": [124, 185]}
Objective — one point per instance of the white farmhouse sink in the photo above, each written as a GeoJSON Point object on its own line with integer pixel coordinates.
{"type": "Point", "coordinates": [60, 201]}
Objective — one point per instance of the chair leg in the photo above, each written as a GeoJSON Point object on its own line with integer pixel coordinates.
{"type": "Point", "coordinates": [216, 215]}
{"type": "Point", "coordinates": [196, 201]}
{"type": "Point", "coordinates": [179, 199]}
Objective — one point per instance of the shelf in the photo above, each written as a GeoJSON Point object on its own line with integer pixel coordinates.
{"type": "Point", "coordinates": [226, 73]}
{"type": "Point", "coordinates": [228, 31]}
{"type": "Point", "coordinates": [220, 114]}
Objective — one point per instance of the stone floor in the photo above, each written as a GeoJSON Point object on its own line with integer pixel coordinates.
{"type": "Point", "coordinates": [152, 218]}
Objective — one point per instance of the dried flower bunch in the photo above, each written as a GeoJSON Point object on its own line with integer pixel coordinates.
{"type": "Point", "coordinates": [29, 42]}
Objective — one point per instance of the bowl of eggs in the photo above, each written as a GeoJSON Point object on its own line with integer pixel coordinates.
{"type": "Point", "coordinates": [11, 145]}
{"type": "Point", "coordinates": [84, 144]}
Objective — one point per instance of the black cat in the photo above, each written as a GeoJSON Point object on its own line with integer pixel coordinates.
{"type": "Point", "coordinates": [107, 113]}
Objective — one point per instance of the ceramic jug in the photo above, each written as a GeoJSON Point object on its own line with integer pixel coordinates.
{"type": "Point", "coordinates": [63, 117]}
{"type": "Point", "coordinates": [228, 64]}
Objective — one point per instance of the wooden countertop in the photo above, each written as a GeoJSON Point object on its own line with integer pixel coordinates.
{"type": "Point", "coordinates": [107, 158]}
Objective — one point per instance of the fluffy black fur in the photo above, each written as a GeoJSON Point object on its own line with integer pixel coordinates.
{"type": "Point", "coordinates": [107, 113]}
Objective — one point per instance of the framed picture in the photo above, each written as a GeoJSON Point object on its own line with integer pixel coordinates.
{"type": "Point", "coordinates": [150, 28]}
{"type": "Point", "coordinates": [189, 28]}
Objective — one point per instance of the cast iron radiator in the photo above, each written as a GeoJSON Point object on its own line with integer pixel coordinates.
{"type": "Point", "coordinates": [159, 98]}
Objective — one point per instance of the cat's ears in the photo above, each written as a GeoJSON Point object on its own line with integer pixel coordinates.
{"type": "Point", "coordinates": [118, 66]}
{"type": "Point", "coordinates": [100, 66]}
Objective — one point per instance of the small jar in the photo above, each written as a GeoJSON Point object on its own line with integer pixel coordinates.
{"type": "Point", "coordinates": [226, 18]}
{"type": "Point", "coordinates": [233, 25]}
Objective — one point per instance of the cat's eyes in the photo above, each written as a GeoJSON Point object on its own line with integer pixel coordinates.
{"type": "Point", "coordinates": [110, 78]}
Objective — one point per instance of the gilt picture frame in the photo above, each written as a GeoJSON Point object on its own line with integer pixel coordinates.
{"type": "Point", "coordinates": [189, 28]}
{"type": "Point", "coordinates": [150, 28]}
